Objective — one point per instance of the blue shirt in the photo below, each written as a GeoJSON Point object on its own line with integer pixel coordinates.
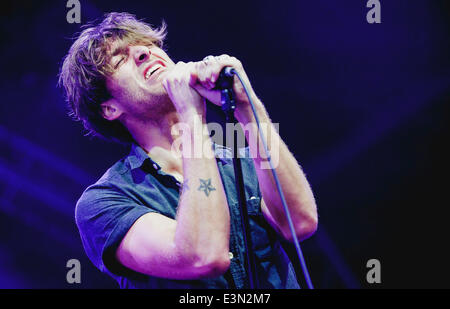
{"type": "Point", "coordinates": [136, 185]}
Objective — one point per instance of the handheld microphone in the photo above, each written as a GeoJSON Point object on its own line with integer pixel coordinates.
{"type": "Point", "coordinates": [225, 79]}
{"type": "Point", "coordinates": [224, 83]}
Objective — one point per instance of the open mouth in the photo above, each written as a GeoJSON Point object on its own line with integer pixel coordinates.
{"type": "Point", "coordinates": [150, 71]}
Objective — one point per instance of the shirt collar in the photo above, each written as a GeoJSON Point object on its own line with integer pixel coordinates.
{"type": "Point", "coordinates": [138, 156]}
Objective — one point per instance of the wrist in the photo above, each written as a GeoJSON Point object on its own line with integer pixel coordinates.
{"type": "Point", "coordinates": [196, 142]}
{"type": "Point", "coordinates": [192, 118]}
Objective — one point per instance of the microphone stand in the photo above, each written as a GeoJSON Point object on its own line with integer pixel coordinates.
{"type": "Point", "coordinates": [225, 84]}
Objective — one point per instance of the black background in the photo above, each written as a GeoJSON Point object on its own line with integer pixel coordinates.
{"type": "Point", "coordinates": [363, 107]}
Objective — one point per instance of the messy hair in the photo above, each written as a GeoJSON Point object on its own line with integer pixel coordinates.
{"type": "Point", "coordinates": [87, 65]}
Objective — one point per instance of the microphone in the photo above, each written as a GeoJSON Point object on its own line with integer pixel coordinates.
{"type": "Point", "coordinates": [225, 79]}
{"type": "Point", "coordinates": [224, 83]}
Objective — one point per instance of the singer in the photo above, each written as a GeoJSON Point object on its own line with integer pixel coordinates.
{"type": "Point", "coordinates": [156, 219]}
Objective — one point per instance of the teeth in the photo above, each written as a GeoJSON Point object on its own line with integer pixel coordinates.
{"type": "Point", "coordinates": [147, 75]}
{"type": "Point", "coordinates": [155, 70]}
{"type": "Point", "coordinates": [151, 71]}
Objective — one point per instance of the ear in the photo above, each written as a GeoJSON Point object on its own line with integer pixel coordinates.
{"type": "Point", "coordinates": [111, 110]}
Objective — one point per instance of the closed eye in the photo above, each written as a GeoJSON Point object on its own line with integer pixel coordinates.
{"type": "Point", "coordinates": [119, 62]}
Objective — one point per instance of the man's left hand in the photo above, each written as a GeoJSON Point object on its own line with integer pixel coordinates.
{"type": "Point", "coordinates": [208, 72]}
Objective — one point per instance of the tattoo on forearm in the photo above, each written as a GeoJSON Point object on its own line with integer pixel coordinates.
{"type": "Point", "coordinates": [205, 186]}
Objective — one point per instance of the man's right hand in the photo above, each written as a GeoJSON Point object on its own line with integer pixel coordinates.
{"type": "Point", "coordinates": [178, 83]}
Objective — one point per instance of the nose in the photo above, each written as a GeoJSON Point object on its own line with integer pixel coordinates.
{"type": "Point", "coordinates": [141, 54]}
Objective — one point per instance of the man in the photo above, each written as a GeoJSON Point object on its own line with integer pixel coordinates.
{"type": "Point", "coordinates": [157, 219]}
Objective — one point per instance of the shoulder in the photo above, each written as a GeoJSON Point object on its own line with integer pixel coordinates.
{"type": "Point", "coordinates": [108, 187]}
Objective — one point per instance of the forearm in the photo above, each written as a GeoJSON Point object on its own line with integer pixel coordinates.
{"type": "Point", "coordinates": [296, 189]}
{"type": "Point", "coordinates": [203, 223]}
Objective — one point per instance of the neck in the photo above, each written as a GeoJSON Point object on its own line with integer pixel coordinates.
{"type": "Point", "coordinates": [156, 138]}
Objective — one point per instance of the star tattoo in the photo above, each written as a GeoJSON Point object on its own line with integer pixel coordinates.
{"type": "Point", "coordinates": [205, 186]}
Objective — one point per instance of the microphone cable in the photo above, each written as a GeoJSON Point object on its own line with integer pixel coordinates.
{"type": "Point", "coordinates": [228, 71]}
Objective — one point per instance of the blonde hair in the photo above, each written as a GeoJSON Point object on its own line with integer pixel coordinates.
{"type": "Point", "coordinates": [87, 64]}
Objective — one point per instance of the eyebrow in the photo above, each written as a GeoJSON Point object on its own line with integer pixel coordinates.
{"type": "Point", "coordinates": [120, 49]}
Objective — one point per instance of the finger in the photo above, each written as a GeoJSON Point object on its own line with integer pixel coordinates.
{"type": "Point", "coordinates": [226, 60]}
{"type": "Point", "coordinates": [209, 69]}
{"type": "Point", "coordinates": [204, 73]}
{"type": "Point", "coordinates": [211, 95]}
{"type": "Point", "coordinates": [201, 72]}
{"type": "Point", "coordinates": [191, 73]}
{"type": "Point", "coordinates": [212, 72]}
{"type": "Point", "coordinates": [216, 65]}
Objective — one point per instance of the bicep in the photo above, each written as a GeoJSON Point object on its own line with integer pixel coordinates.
{"type": "Point", "coordinates": [148, 247]}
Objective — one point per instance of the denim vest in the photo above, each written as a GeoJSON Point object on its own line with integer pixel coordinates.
{"type": "Point", "coordinates": [136, 185]}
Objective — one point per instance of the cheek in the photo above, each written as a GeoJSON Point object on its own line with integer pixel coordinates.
{"type": "Point", "coordinates": [124, 86]}
{"type": "Point", "coordinates": [124, 77]}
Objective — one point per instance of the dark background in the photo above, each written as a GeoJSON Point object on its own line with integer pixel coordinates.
{"type": "Point", "coordinates": [364, 108]}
